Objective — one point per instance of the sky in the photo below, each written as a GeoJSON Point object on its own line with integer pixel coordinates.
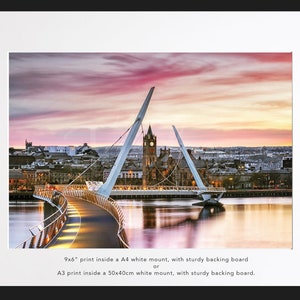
{"type": "Point", "coordinates": [213, 99]}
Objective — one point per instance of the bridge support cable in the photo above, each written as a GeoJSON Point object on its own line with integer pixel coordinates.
{"type": "Point", "coordinates": [94, 162]}
{"type": "Point", "coordinates": [166, 178]}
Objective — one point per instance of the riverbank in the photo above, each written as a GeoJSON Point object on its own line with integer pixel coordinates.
{"type": "Point", "coordinates": [228, 194]}
{"type": "Point", "coordinates": [257, 193]}
{"type": "Point", "coordinates": [21, 195]}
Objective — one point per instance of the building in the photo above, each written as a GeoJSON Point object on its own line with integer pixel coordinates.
{"type": "Point", "coordinates": [149, 157]}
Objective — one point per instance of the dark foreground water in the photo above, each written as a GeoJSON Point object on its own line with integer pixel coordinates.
{"type": "Point", "coordinates": [264, 222]}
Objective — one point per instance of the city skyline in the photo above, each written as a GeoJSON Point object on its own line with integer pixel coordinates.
{"type": "Point", "coordinates": [214, 99]}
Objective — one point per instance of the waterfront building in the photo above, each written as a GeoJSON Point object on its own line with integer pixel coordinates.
{"type": "Point", "coordinates": [150, 164]}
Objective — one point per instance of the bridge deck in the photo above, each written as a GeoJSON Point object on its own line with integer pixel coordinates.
{"type": "Point", "coordinates": [88, 226]}
{"type": "Point", "coordinates": [161, 192]}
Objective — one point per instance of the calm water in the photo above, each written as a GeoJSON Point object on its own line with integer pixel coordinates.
{"type": "Point", "coordinates": [22, 216]}
{"type": "Point", "coordinates": [264, 222]}
{"type": "Point", "coordinates": [245, 223]}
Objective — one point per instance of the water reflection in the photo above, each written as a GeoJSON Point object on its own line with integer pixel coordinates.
{"type": "Point", "coordinates": [180, 223]}
{"type": "Point", "coordinates": [161, 217]}
{"type": "Point", "coordinates": [210, 211]}
{"type": "Point", "coordinates": [253, 223]}
{"type": "Point", "coordinates": [160, 214]}
{"type": "Point", "coordinates": [23, 215]}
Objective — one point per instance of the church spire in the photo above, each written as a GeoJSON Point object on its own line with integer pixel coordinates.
{"type": "Point", "coordinates": [149, 133]}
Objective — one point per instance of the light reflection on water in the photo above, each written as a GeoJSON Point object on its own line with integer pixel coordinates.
{"type": "Point", "coordinates": [22, 216]}
{"type": "Point", "coordinates": [177, 223]}
{"type": "Point", "coordinates": [263, 222]}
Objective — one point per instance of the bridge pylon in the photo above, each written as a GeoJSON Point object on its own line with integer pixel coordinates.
{"type": "Point", "coordinates": [106, 188]}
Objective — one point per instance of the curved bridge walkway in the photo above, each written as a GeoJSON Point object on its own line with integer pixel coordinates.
{"type": "Point", "coordinates": [89, 221]}
{"type": "Point", "coordinates": [88, 226]}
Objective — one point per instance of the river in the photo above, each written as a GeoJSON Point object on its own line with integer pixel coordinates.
{"type": "Point", "coordinates": [24, 214]}
{"type": "Point", "coordinates": [262, 222]}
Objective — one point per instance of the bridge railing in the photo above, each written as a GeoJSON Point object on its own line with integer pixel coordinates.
{"type": "Point", "coordinates": [168, 188]}
{"type": "Point", "coordinates": [44, 232]}
{"type": "Point", "coordinates": [83, 187]}
{"type": "Point", "coordinates": [156, 188]}
{"type": "Point", "coordinates": [107, 204]}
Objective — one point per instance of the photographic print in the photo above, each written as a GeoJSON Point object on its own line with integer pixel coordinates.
{"type": "Point", "coordinates": [183, 150]}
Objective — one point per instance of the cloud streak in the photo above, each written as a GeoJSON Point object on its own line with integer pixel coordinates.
{"type": "Point", "coordinates": [223, 99]}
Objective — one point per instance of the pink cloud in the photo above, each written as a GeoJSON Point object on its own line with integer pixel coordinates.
{"type": "Point", "coordinates": [54, 95]}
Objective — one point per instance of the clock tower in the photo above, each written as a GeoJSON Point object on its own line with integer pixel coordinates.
{"type": "Point", "coordinates": [149, 154]}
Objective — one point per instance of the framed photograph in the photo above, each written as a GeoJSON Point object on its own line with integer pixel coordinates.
{"type": "Point", "coordinates": [149, 155]}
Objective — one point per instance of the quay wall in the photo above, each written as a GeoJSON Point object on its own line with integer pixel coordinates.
{"type": "Point", "coordinates": [21, 196]}
{"type": "Point", "coordinates": [258, 193]}
{"type": "Point", "coordinates": [228, 194]}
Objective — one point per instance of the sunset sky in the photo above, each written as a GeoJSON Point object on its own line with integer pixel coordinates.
{"type": "Point", "coordinates": [213, 99]}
